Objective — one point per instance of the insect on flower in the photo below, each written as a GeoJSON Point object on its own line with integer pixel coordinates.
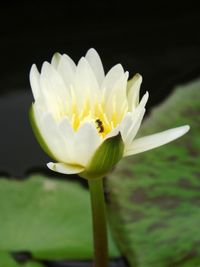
{"type": "Point", "coordinates": [99, 125]}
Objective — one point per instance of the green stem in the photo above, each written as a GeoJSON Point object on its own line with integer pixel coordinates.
{"type": "Point", "coordinates": [99, 222]}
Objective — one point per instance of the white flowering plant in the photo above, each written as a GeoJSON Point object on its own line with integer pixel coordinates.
{"type": "Point", "coordinates": [87, 121]}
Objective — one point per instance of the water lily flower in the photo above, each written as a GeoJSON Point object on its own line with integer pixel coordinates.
{"type": "Point", "coordinates": [87, 121]}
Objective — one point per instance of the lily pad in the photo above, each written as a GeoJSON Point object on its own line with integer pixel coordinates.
{"type": "Point", "coordinates": [155, 196]}
{"type": "Point", "coordinates": [49, 218]}
{"type": "Point", "coordinates": [6, 260]}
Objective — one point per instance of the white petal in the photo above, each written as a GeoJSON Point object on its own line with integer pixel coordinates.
{"type": "Point", "coordinates": [70, 62]}
{"type": "Point", "coordinates": [35, 81]}
{"type": "Point", "coordinates": [66, 69]}
{"type": "Point", "coordinates": [85, 83]}
{"type": "Point", "coordinates": [85, 75]}
{"type": "Point", "coordinates": [54, 90]}
{"type": "Point", "coordinates": [65, 168]}
{"type": "Point", "coordinates": [115, 96]}
{"type": "Point", "coordinates": [52, 79]}
{"type": "Point", "coordinates": [118, 90]}
{"type": "Point", "coordinates": [53, 138]}
{"type": "Point", "coordinates": [133, 92]}
{"type": "Point", "coordinates": [152, 141]}
{"type": "Point", "coordinates": [56, 59]}
{"type": "Point", "coordinates": [81, 144]}
{"type": "Point", "coordinates": [68, 135]}
{"type": "Point", "coordinates": [95, 62]}
{"type": "Point", "coordinates": [143, 100]}
{"type": "Point", "coordinates": [112, 76]}
{"type": "Point", "coordinates": [66, 128]}
{"type": "Point", "coordinates": [87, 140]}
{"type": "Point", "coordinates": [137, 116]}
{"type": "Point", "coordinates": [125, 125]}
{"type": "Point", "coordinates": [134, 128]}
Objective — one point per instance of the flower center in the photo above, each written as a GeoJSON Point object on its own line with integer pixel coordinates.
{"type": "Point", "coordinates": [95, 114]}
{"type": "Point", "coordinates": [104, 116]}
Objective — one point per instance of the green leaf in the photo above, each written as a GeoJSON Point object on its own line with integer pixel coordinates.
{"type": "Point", "coordinates": [38, 134]}
{"type": "Point", "coordinates": [155, 196]}
{"type": "Point", "coordinates": [105, 158]}
{"type": "Point", "coordinates": [50, 218]}
{"type": "Point", "coordinates": [6, 260]}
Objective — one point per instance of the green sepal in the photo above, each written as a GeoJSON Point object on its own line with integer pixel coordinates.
{"type": "Point", "coordinates": [105, 158]}
{"type": "Point", "coordinates": [38, 134]}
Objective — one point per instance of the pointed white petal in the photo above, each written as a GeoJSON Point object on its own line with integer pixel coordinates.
{"type": "Point", "coordinates": [144, 100]}
{"type": "Point", "coordinates": [133, 91]}
{"type": "Point", "coordinates": [53, 81]}
{"type": "Point", "coordinates": [118, 88]}
{"type": "Point", "coordinates": [134, 128]}
{"type": "Point", "coordinates": [95, 62]}
{"type": "Point", "coordinates": [66, 69]}
{"type": "Point", "coordinates": [85, 83]}
{"type": "Point", "coordinates": [66, 128]}
{"type": "Point", "coordinates": [112, 76]}
{"type": "Point", "coordinates": [55, 141]}
{"type": "Point", "coordinates": [114, 96]}
{"type": "Point", "coordinates": [68, 135]}
{"type": "Point", "coordinates": [35, 81]}
{"type": "Point", "coordinates": [125, 125]}
{"type": "Point", "coordinates": [137, 116]}
{"type": "Point", "coordinates": [85, 75]}
{"type": "Point", "coordinates": [70, 62]}
{"type": "Point", "coordinates": [54, 90]}
{"type": "Point", "coordinates": [152, 141]}
{"type": "Point", "coordinates": [81, 144]}
{"type": "Point", "coordinates": [56, 59]}
{"type": "Point", "coordinates": [36, 124]}
{"type": "Point", "coordinates": [65, 168]}
{"type": "Point", "coordinates": [87, 140]}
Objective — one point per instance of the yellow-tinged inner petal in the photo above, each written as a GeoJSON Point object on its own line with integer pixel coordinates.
{"type": "Point", "coordinates": [93, 111]}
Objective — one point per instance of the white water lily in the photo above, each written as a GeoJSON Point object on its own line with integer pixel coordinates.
{"type": "Point", "coordinates": [86, 120]}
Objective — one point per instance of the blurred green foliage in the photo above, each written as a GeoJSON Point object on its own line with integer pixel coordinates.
{"type": "Point", "coordinates": [49, 218]}
{"type": "Point", "coordinates": [155, 196]}
{"type": "Point", "coordinates": [6, 260]}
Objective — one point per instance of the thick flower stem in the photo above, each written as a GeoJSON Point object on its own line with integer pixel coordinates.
{"type": "Point", "coordinates": [99, 223]}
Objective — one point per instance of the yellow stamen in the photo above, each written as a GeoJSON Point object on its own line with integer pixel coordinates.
{"type": "Point", "coordinates": [95, 112]}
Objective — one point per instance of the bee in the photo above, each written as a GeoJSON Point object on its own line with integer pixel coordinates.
{"type": "Point", "coordinates": [100, 125]}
